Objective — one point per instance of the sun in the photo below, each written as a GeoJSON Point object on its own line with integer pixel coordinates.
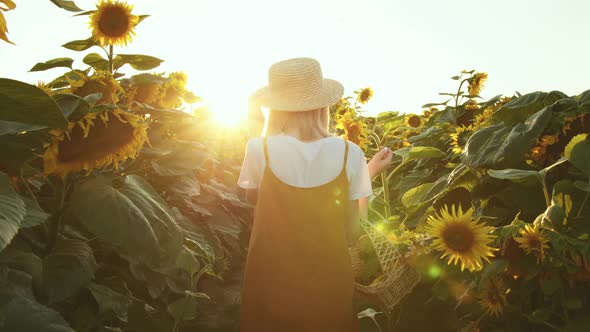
{"type": "Point", "coordinates": [227, 110]}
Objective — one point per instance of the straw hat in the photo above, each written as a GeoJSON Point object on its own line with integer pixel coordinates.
{"type": "Point", "coordinates": [298, 85]}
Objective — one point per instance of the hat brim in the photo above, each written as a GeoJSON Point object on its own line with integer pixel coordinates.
{"type": "Point", "coordinates": [330, 93]}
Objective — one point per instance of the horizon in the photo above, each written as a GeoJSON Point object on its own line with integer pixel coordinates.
{"type": "Point", "coordinates": [386, 45]}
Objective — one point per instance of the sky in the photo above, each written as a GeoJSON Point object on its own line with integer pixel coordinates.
{"type": "Point", "coordinates": [405, 50]}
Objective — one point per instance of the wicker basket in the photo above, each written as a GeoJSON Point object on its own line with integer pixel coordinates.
{"type": "Point", "coordinates": [399, 278]}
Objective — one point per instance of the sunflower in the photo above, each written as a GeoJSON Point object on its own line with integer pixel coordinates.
{"type": "Point", "coordinates": [364, 95]}
{"type": "Point", "coordinates": [172, 91]}
{"type": "Point", "coordinates": [471, 105]}
{"type": "Point", "coordinates": [493, 297]}
{"type": "Point", "coordinates": [41, 85]}
{"type": "Point", "coordinates": [112, 23]}
{"type": "Point", "coordinates": [95, 141]}
{"type": "Point", "coordinates": [476, 83]}
{"type": "Point", "coordinates": [531, 239]}
{"type": "Point", "coordinates": [459, 138]}
{"type": "Point", "coordinates": [482, 118]}
{"type": "Point", "coordinates": [461, 238]}
{"type": "Point", "coordinates": [104, 83]}
{"type": "Point", "coordinates": [355, 130]}
{"type": "Point", "coordinates": [413, 121]}
{"type": "Point", "coordinates": [8, 5]}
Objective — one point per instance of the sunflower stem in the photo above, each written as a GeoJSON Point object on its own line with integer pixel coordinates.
{"type": "Point", "coordinates": [546, 193]}
{"type": "Point", "coordinates": [583, 203]}
{"type": "Point", "coordinates": [111, 59]}
{"type": "Point", "coordinates": [458, 93]}
{"type": "Point", "coordinates": [57, 215]}
{"type": "Point", "coordinates": [385, 183]}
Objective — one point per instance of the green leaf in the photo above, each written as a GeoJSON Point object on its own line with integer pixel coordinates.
{"type": "Point", "coordinates": [73, 107]}
{"type": "Point", "coordinates": [183, 309]}
{"type": "Point", "coordinates": [69, 267]}
{"type": "Point", "coordinates": [18, 309]}
{"type": "Point", "coordinates": [81, 45]}
{"type": "Point", "coordinates": [67, 5]}
{"type": "Point", "coordinates": [25, 315]}
{"type": "Point", "coordinates": [34, 215]}
{"type": "Point", "coordinates": [12, 211]}
{"type": "Point", "coordinates": [137, 61]}
{"type": "Point", "coordinates": [186, 308]}
{"type": "Point", "coordinates": [96, 61]}
{"type": "Point", "coordinates": [580, 155]}
{"type": "Point", "coordinates": [422, 152]}
{"type": "Point", "coordinates": [180, 159]}
{"type": "Point", "coordinates": [551, 283]}
{"type": "Point", "coordinates": [416, 195]}
{"type": "Point", "coordinates": [130, 216]}
{"type": "Point", "coordinates": [25, 103]}
{"type": "Point", "coordinates": [9, 127]}
{"type": "Point", "coordinates": [513, 174]}
{"type": "Point", "coordinates": [109, 300]}
{"type": "Point", "coordinates": [519, 109]}
{"type": "Point", "coordinates": [187, 261]}
{"type": "Point", "coordinates": [502, 147]}
{"type": "Point", "coordinates": [403, 152]}
{"type": "Point", "coordinates": [54, 63]}
{"type": "Point", "coordinates": [496, 267]}
{"type": "Point", "coordinates": [22, 258]}
{"type": "Point", "coordinates": [582, 186]}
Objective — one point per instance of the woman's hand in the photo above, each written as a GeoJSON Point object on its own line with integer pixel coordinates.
{"type": "Point", "coordinates": [380, 161]}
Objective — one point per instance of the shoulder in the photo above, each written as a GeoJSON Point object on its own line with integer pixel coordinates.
{"type": "Point", "coordinates": [254, 144]}
{"type": "Point", "coordinates": [355, 151]}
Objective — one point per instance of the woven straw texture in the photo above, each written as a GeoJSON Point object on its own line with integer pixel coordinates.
{"type": "Point", "coordinates": [399, 278]}
{"type": "Point", "coordinates": [298, 85]}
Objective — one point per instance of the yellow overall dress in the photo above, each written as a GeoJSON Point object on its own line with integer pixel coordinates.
{"type": "Point", "coordinates": [298, 275]}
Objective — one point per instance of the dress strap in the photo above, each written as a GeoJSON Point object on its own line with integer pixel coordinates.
{"type": "Point", "coordinates": [345, 155]}
{"type": "Point", "coordinates": [265, 148]}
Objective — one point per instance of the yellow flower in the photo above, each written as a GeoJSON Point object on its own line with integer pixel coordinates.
{"type": "Point", "coordinates": [355, 130]}
{"type": "Point", "coordinates": [476, 83]}
{"type": "Point", "coordinates": [459, 138]}
{"type": "Point", "coordinates": [112, 23]}
{"type": "Point", "coordinates": [471, 105]}
{"type": "Point", "coordinates": [533, 240]}
{"type": "Point", "coordinates": [493, 297]}
{"type": "Point", "coordinates": [41, 85]}
{"type": "Point", "coordinates": [547, 140]}
{"type": "Point", "coordinates": [9, 5]}
{"type": "Point", "coordinates": [95, 141]}
{"type": "Point", "coordinates": [570, 146]}
{"type": "Point", "coordinates": [98, 83]}
{"type": "Point", "coordinates": [413, 121]}
{"type": "Point", "coordinates": [365, 95]}
{"type": "Point", "coordinates": [482, 118]}
{"type": "Point", "coordinates": [172, 91]}
{"type": "Point", "coordinates": [461, 238]}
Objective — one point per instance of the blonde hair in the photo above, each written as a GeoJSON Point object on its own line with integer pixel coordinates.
{"type": "Point", "coordinates": [307, 125]}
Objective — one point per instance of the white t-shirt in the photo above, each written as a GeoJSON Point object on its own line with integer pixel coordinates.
{"type": "Point", "coordinates": [306, 164]}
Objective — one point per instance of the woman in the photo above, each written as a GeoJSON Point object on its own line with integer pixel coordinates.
{"type": "Point", "coordinates": [310, 188]}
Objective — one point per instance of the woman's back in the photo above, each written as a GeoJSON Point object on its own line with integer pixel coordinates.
{"type": "Point", "coordinates": [298, 275]}
{"type": "Point", "coordinates": [306, 164]}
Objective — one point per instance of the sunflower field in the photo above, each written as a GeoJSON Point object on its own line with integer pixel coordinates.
{"type": "Point", "coordinates": [119, 209]}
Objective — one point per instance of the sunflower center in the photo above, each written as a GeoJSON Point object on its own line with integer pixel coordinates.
{"type": "Point", "coordinates": [414, 121]}
{"type": "Point", "coordinates": [534, 243]}
{"type": "Point", "coordinates": [103, 139]}
{"type": "Point", "coordinates": [114, 21]}
{"type": "Point", "coordinates": [458, 237]}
